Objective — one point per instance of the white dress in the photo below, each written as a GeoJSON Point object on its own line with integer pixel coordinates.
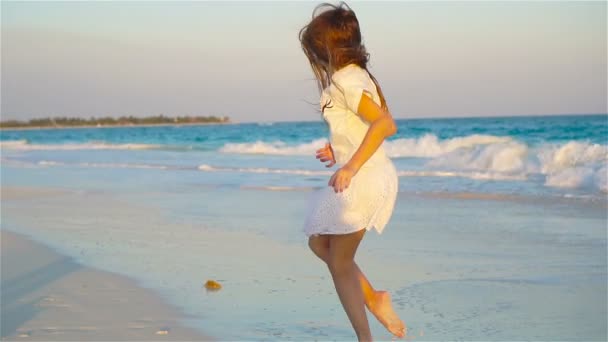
{"type": "Point", "coordinates": [369, 200]}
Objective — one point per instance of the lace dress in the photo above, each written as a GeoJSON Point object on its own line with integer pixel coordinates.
{"type": "Point", "coordinates": [369, 200]}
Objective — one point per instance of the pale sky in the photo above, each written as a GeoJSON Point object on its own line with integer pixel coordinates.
{"type": "Point", "coordinates": [243, 59]}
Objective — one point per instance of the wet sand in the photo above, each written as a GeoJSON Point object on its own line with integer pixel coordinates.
{"type": "Point", "coordinates": [50, 297]}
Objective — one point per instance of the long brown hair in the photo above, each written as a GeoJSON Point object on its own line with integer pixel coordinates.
{"type": "Point", "coordinates": [332, 40]}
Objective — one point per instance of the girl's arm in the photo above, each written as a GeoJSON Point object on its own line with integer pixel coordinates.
{"type": "Point", "coordinates": [381, 126]}
{"type": "Point", "coordinates": [326, 154]}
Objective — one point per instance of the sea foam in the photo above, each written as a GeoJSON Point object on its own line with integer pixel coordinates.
{"type": "Point", "coordinates": [573, 164]}
{"type": "Point", "coordinates": [568, 164]}
{"type": "Point", "coordinates": [274, 148]}
{"type": "Point", "coordinates": [209, 168]}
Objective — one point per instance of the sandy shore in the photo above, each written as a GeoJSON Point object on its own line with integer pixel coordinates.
{"type": "Point", "coordinates": [49, 297]}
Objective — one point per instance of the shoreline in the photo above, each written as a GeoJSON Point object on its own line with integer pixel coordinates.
{"type": "Point", "coordinates": [408, 118]}
{"type": "Point", "coordinates": [113, 126]}
{"type": "Point", "coordinates": [48, 296]}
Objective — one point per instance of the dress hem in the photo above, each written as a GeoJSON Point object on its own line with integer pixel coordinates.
{"type": "Point", "coordinates": [368, 228]}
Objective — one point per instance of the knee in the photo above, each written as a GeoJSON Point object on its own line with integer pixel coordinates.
{"type": "Point", "coordinates": [340, 266]}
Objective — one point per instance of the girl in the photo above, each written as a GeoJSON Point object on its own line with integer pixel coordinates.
{"type": "Point", "coordinates": [361, 193]}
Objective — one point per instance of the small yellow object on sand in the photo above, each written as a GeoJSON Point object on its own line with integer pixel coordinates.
{"type": "Point", "coordinates": [212, 285]}
{"type": "Point", "coordinates": [162, 332]}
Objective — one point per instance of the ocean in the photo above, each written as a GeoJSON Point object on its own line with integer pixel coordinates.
{"type": "Point", "coordinates": [531, 156]}
{"type": "Point", "coordinates": [499, 232]}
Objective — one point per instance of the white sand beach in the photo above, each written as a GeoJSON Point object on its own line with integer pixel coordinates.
{"type": "Point", "coordinates": [460, 266]}
{"type": "Point", "coordinates": [49, 297]}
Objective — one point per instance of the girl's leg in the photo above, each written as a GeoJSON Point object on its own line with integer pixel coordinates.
{"type": "Point", "coordinates": [342, 249]}
{"type": "Point", "coordinates": [377, 302]}
{"type": "Point", "coordinates": [319, 244]}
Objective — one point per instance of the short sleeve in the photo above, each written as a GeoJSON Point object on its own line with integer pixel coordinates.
{"type": "Point", "coordinates": [349, 84]}
{"type": "Point", "coordinates": [352, 95]}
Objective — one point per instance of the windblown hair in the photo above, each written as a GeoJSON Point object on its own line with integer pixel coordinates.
{"type": "Point", "coordinates": [331, 41]}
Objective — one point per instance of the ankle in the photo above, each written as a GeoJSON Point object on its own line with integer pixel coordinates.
{"type": "Point", "coordinates": [365, 337]}
{"type": "Point", "coordinates": [372, 299]}
{"type": "Point", "coordinates": [381, 297]}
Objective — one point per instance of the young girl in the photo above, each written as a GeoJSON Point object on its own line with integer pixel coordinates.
{"type": "Point", "coordinates": [361, 194]}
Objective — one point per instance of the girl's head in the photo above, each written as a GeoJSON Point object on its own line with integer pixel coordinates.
{"type": "Point", "coordinates": [332, 40]}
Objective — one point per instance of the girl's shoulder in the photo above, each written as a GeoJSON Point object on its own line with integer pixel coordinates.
{"type": "Point", "coordinates": [351, 73]}
{"type": "Point", "coordinates": [348, 84]}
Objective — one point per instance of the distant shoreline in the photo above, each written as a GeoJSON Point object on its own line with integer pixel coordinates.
{"type": "Point", "coordinates": [301, 121]}
{"type": "Point", "coordinates": [113, 126]}
{"type": "Point", "coordinates": [63, 122]}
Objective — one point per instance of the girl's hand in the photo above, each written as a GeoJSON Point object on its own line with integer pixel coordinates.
{"type": "Point", "coordinates": [341, 178]}
{"type": "Point", "coordinates": [326, 154]}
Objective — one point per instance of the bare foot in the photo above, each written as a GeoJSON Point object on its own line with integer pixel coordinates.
{"type": "Point", "coordinates": [383, 310]}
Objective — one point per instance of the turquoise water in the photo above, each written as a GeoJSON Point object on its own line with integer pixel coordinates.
{"type": "Point", "coordinates": [538, 156]}
{"type": "Point", "coordinates": [499, 231]}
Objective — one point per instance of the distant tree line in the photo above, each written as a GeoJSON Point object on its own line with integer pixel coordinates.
{"type": "Point", "coordinates": [110, 121]}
